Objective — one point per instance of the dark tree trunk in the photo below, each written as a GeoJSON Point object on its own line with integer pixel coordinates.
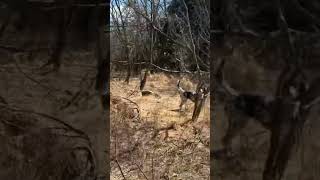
{"type": "Point", "coordinates": [144, 80]}
{"type": "Point", "coordinates": [64, 21]}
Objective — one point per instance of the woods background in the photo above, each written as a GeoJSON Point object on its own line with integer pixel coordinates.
{"type": "Point", "coordinates": [258, 39]}
{"type": "Point", "coordinates": [54, 71]}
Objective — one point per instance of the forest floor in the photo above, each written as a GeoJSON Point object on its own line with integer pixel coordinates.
{"type": "Point", "coordinates": [68, 95]}
{"type": "Point", "coordinates": [251, 150]}
{"type": "Point", "coordinates": [139, 149]}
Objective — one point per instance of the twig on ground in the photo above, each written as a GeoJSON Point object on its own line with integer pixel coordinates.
{"type": "Point", "coordinates": [152, 164]}
{"type": "Point", "coordinates": [144, 175]}
{"type": "Point", "coordinates": [115, 148]}
{"type": "Point", "coordinates": [120, 170]}
{"type": "Point", "coordinates": [71, 101]}
{"type": "Point", "coordinates": [34, 80]}
{"type": "Point", "coordinates": [84, 135]}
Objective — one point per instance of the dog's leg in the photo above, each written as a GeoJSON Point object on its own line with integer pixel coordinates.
{"type": "Point", "coordinates": [183, 101]}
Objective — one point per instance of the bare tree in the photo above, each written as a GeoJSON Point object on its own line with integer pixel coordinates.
{"type": "Point", "coordinates": [120, 19]}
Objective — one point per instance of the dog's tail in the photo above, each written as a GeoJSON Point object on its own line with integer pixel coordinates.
{"type": "Point", "coordinates": [179, 87]}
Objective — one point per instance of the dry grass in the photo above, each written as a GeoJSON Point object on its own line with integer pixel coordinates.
{"type": "Point", "coordinates": [37, 147]}
{"type": "Point", "coordinates": [141, 152]}
{"type": "Point", "coordinates": [68, 95]}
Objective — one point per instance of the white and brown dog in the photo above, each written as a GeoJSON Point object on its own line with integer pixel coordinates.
{"type": "Point", "coordinates": [186, 95]}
